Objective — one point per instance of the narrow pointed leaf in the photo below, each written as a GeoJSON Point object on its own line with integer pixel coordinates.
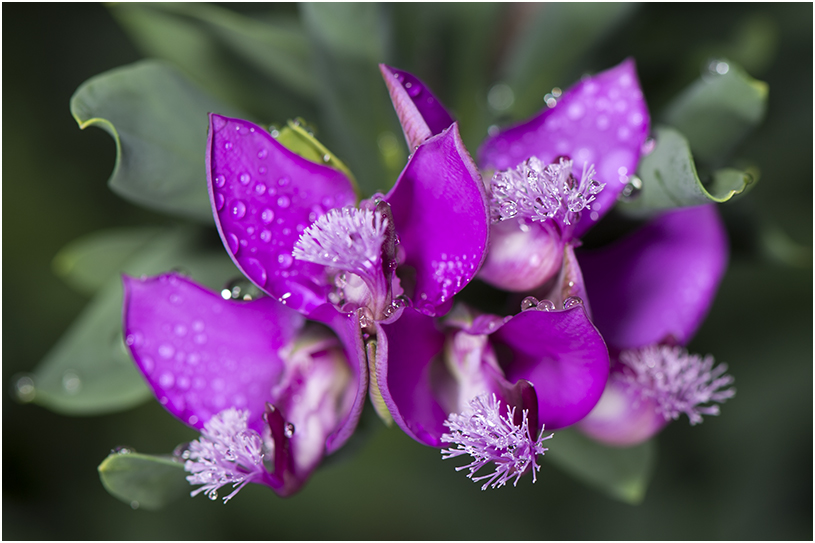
{"type": "Point", "coordinates": [90, 261]}
{"type": "Point", "coordinates": [143, 480]}
{"type": "Point", "coordinates": [158, 119]}
{"type": "Point", "coordinates": [89, 370]}
{"type": "Point", "coordinates": [622, 474]}
{"type": "Point", "coordinates": [669, 178]}
{"type": "Point", "coordinates": [717, 111]}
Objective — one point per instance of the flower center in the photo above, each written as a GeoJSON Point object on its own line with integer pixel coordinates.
{"type": "Point", "coordinates": [227, 452]}
{"type": "Point", "coordinates": [349, 242]}
{"type": "Point", "coordinates": [487, 436]}
{"type": "Point", "coordinates": [679, 382]}
{"type": "Point", "coordinates": [537, 192]}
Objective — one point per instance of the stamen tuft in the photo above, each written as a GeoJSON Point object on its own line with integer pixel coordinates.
{"type": "Point", "coordinates": [227, 452]}
{"type": "Point", "coordinates": [484, 434]}
{"type": "Point", "coordinates": [348, 238]}
{"type": "Point", "coordinates": [679, 382]}
{"type": "Point", "coordinates": [537, 192]}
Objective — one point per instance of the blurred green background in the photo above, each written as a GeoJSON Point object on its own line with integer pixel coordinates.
{"type": "Point", "coordinates": [744, 475]}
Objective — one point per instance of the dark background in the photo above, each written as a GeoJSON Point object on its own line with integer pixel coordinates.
{"type": "Point", "coordinates": [744, 475]}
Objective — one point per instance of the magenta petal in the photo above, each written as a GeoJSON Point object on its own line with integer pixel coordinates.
{"type": "Point", "coordinates": [602, 120]}
{"type": "Point", "coordinates": [406, 350]}
{"type": "Point", "coordinates": [420, 112]}
{"type": "Point", "coordinates": [263, 196]}
{"type": "Point", "coordinates": [202, 354]}
{"type": "Point", "coordinates": [562, 355]}
{"type": "Point", "coordinates": [440, 210]}
{"type": "Point", "coordinates": [348, 329]}
{"type": "Point", "coordinates": [658, 282]}
{"type": "Point", "coordinates": [522, 256]}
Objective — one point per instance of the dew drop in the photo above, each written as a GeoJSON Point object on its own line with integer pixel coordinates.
{"type": "Point", "coordinates": [284, 201]}
{"type": "Point", "coordinates": [166, 351]}
{"type": "Point", "coordinates": [260, 189]}
{"type": "Point", "coordinates": [24, 389]}
{"type": "Point", "coordinates": [147, 365]}
{"type": "Point", "coordinates": [340, 280]}
{"type": "Point", "coordinates": [220, 181]}
{"type": "Point", "coordinates": [283, 181]}
{"type": "Point", "coordinates": [71, 382]}
{"type": "Point", "coordinates": [244, 179]}
{"type": "Point", "coordinates": [180, 330]}
{"type": "Point", "coordinates": [571, 302]}
{"type": "Point", "coordinates": [233, 242]}
{"type": "Point", "coordinates": [134, 505]}
{"type": "Point", "coordinates": [238, 209]}
{"type": "Point", "coordinates": [166, 380]}
{"type": "Point", "coordinates": [289, 431]}
{"type": "Point", "coordinates": [648, 146]}
{"type": "Point", "coordinates": [122, 449]}
{"type": "Point", "coordinates": [265, 236]}
{"type": "Point", "coordinates": [228, 145]}
{"type": "Point", "coordinates": [546, 305]}
{"type": "Point", "coordinates": [285, 260]}
{"type": "Point", "coordinates": [528, 303]}
{"type": "Point", "coordinates": [256, 271]}
{"type": "Point", "coordinates": [263, 153]}
{"type": "Point", "coordinates": [213, 495]}
{"type": "Point", "coordinates": [267, 216]}
{"type": "Point", "coordinates": [219, 201]}
{"type": "Point", "coordinates": [631, 190]}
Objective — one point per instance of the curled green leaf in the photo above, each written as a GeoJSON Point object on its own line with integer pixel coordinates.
{"type": "Point", "coordinates": [718, 110]}
{"type": "Point", "coordinates": [622, 474]}
{"type": "Point", "coordinates": [158, 119]}
{"type": "Point", "coordinates": [669, 178]}
{"type": "Point", "coordinates": [143, 480]}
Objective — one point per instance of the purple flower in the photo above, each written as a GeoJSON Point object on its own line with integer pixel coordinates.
{"type": "Point", "coordinates": [270, 392]}
{"type": "Point", "coordinates": [650, 292]}
{"type": "Point", "coordinates": [486, 386]}
{"type": "Point", "coordinates": [555, 175]}
{"type": "Point", "coordinates": [292, 225]}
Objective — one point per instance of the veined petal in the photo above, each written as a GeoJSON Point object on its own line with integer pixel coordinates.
{"type": "Point", "coordinates": [562, 355]}
{"type": "Point", "coordinates": [440, 212]}
{"type": "Point", "coordinates": [602, 120]}
{"type": "Point", "coordinates": [657, 283]}
{"type": "Point", "coordinates": [263, 197]}
{"type": "Point", "coordinates": [202, 354]}
{"type": "Point", "coordinates": [420, 112]}
{"type": "Point", "coordinates": [406, 350]}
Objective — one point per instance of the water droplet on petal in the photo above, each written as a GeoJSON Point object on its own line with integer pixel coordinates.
{"type": "Point", "coordinates": [267, 216]}
{"type": "Point", "coordinates": [244, 179]}
{"type": "Point", "coordinates": [285, 260]}
{"type": "Point", "coordinates": [233, 242]}
{"type": "Point", "coordinates": [238, 209]}
{"type": "Point", "coordinates": [571, 302]}
{"type": "Point", "coordinates": [219, 201]}
{"type": "Point", "coordinates": [289, 431]}
{"type": "Point", "coordinates": [265, 236]}
{"type": "Point", "coordinates": [260, 189]}
{"type": "Point", "coordinates": [262, 153]}
{"type": "Point", "coordinates": [284, 201]}
{"type": "Point", "coordinates": [71, 382]}
{"type": "Point", "coordinates": [166, 380]}
{"type": "Point", "coordinates": [528, 303]}
{"type": "Point", "coordinates": [546, 305]}
{"type": "Point", "coordinates": [227, 145]}
{"type": "Point", "coordinates": [256, 271]}
{"type": "Point", "coordinates": [220, 181]}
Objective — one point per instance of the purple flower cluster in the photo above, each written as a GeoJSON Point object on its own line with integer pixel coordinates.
{"type": "Point", "coordinates": [361, 297]}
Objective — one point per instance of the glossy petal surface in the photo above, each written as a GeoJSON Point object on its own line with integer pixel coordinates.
{"type": "Point", "coordinates": [347, 328]}
{"type": "Point", "coordinates": [657, 283]}
{"type": "Point", "coordinates": [263, 197]}
{"type": "Point", "coordinates": [440, 211]}
{"type": "Point", "coordinates": [405, 354]}
{"type": "Point", "coordinates": [602, 120]}
{"type": "Point", "coordinates": [200, 353]}
{"type": "Point", "coordinates": [521, 256]}
{"type": "Point", "coordinates": [562, 355]}
{"type": "Point", "coordinates": [420, 112]}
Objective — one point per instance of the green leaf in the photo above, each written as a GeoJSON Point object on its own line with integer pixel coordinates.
{"type": "Point", "coordinates": [358, 121]}
{"type": "Point", "coordinates": [622, 474]}
{"type": "Point", "coordinates": [158, 119]}
{"type": "Point", "coordinates": [90, 261]}
{"type": "Point", "coordinates": [669, 178]}
{"type": "Point", "coordinates": [262, 66]}
{"type": "Point", "coordinates": [296, 137]}
{"type": "Point", "coordinates": [143, 480]}
{"type": "Point", "coordinates": [717, 111]}
{"type": "Point", "coordinates": [545, 52]}
{"type": "Point", "coordinates": [89, 370]}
